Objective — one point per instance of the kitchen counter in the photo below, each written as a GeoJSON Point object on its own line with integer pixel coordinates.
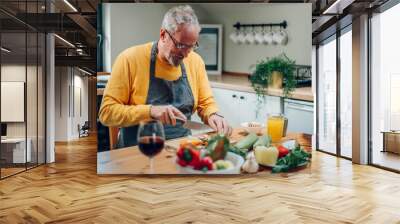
{"type": "Point", "coordinates": [131, 161]}
{"type": "Point", "coordinates": [241, 83]}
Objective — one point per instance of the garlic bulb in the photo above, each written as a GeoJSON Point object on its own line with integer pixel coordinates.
{"type": "Point", "coordinates": [250, 165]}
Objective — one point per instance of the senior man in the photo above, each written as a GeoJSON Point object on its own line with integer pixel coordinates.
{"type": "Point", "coordinates": [163, 80]}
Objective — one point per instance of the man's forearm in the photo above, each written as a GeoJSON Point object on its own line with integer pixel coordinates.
{"type": "Point", "coordinates": [118, 115]}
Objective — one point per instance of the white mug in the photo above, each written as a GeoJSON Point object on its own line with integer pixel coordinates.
{"type": "Point", "coordinates": [268, 37]}
{"type": "Point", "coordinates": [275, 37]}
{"type": "Point", "coordinates": [241, 38]}
{"type": "Point", "coordinates": [259, 37]}
{"type": "Point", "coordinates": [285, 38]}
{"type": "Point", "coordinates": [250, 37]}
{"type": "Point", "coordinates": [233, 36]}
{"type": "Point", "coordinates": [280, 37]}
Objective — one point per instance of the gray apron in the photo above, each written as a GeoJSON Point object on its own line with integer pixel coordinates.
{"type": "Point", "coordinates": [162, 92]}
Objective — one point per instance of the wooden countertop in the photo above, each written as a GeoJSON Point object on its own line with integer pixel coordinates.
{"type": "Point", "coordinates": [241, 83]}
{"type": "Point", "coordinates": [131, 161]}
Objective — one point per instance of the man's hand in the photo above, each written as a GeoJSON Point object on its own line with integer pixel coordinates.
{"type": "Point", "coordinates": [219, 124]}
{"type": "Point", "coordinates": [167, 114]}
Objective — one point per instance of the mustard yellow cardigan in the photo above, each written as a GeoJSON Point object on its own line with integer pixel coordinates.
{"type": "Point", "coordinates": [126, 91]}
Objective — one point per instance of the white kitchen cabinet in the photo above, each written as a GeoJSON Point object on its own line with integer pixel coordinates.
{"type": "Point", "coordinates": [238, 107]}
{"type": "Point", "coordinates": [228, 105]}
{"type": "Point", "coordinates": [300, 116]}
{"type": "Point", "coordinates": [269, 105]}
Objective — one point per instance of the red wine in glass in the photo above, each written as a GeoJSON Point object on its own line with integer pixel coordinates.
{"type": "Point", "coordinates": [151, 145]}
{"type": "Point", "coordinates": [150, 139]}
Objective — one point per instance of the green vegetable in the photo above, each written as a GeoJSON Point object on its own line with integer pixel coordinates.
{"type": "Point", "coordinates": [247, 142]}
{"type": "Point", "coordinates": [240, 152]}
{"type": "Point", "coordinates": [295, 158]}
{"type": "Point", "coordinates": [217, 147]}
{"type": "Point", "coordinates": [264, 140]}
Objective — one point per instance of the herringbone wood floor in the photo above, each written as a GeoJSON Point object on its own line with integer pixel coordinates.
{"type": "Point", "coordinates": [330, 191]}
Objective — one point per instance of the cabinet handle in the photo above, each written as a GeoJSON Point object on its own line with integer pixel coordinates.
{"type": "Point", "coordinates": [234, 96]}
{"type": "Point", "coordinates": [242, 97]}
{"type": "Point", "coordinates": [300, 108]}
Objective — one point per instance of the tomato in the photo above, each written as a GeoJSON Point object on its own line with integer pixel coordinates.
{"type": "Point", "coordinates": [282, 151]}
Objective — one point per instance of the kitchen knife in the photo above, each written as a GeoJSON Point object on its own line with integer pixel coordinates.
{"type": "Point", "coordinates": [193, 125]}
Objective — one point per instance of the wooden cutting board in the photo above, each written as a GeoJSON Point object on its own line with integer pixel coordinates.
{"type": "Point", "coordinates": [304, 140]}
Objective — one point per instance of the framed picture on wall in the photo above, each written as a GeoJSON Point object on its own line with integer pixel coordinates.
{"type": "Point", "coordinates": [210, 47]}
{"type": "Point", "coordinates": [13, 99]}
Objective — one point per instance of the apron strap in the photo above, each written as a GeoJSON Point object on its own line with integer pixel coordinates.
{"type": "Point", "coordinates": [153, 56]}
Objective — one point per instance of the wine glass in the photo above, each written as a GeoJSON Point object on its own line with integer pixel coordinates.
{"type": "Point", "coordinates": [151, 139]}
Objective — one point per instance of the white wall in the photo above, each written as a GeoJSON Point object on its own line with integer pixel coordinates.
{"type": "Point", "coordinates": [69, 82]}
{"type": "Point", "coordinates": [79, 117]}
{"type": "Point", "coordinates": [238, 58]}
{"type": "Point", "coordinates": [61, 103]}
{"type": "Point", "coordinates": [124, 27]}
{"type": "Point", "coordinates": [33, 127]}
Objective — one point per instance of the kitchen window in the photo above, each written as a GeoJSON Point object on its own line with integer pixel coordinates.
{"type": "Point", "coordinates": [346, 92]}
{"type": "Point", "coordinates": [326, 136]}
{"type": "Point", "coordinates": [385, 89]}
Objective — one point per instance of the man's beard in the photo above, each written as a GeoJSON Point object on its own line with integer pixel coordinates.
{"type": "Point", "coordinates": [174, 60]}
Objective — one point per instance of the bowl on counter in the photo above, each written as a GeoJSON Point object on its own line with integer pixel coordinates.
{"type": "Point", "coordinates": [252, 127]}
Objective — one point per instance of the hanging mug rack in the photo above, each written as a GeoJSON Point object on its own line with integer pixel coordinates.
{"type": "Point", "coordinates": [238, 25]}
{"type": "Point", "coordinates": [243, 35]}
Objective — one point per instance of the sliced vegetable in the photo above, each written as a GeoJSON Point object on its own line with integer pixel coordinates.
{"type": "Point", "coordinates": [217, 147]}
{"type": "Point", "coordinates": [195, 142]}
{"type": "Point", "coordinates": [282, 151]}
{"type": "Point", "coordinates": [247, 142]}
{"type": "Point", "coordinates": [264, 140]}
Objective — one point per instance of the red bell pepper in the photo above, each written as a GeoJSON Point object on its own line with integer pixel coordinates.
{"type": "Point", "coordinates": [195, 157]}
{"type": "Point", "coordinates": [187, 155]}
{"type": "Point", "coordinates": [282, 151]}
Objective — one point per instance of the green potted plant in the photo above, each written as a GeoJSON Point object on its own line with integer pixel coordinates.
{"type": "Point", "coordinates": [271, 72]}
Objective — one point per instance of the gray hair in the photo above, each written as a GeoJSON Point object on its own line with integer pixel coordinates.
{"type": "Point", "coordinates": [179, 15]}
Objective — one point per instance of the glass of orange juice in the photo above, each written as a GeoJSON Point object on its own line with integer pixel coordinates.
{"type": "Point", "coordinates": [276, 126]}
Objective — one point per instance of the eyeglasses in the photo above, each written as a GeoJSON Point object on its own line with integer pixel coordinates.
{"type": "Point", "coordinates": [181, 46]}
